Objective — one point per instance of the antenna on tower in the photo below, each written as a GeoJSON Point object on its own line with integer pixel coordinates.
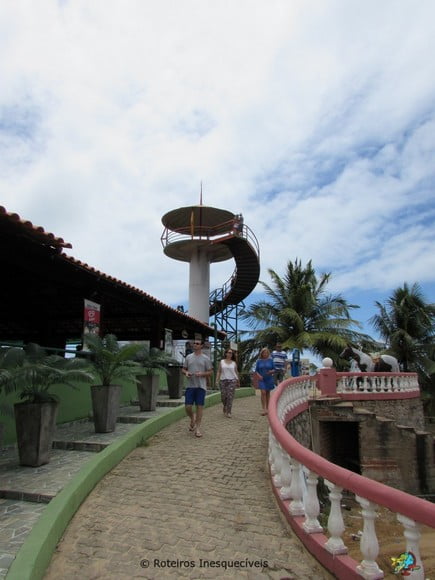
{"type": "Point", "coordinates": [200, 195]}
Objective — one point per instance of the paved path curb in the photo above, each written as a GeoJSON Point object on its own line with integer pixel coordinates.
{"type": "Point", "coordinates": [68, 478]}
{"type": "Point", "coordinates": [182, 507]}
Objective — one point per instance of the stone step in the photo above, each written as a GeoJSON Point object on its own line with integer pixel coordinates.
{"type": "Point", "coordinates": [29, 496]}
{"type": "Point", "coordinates": [92, 446]}
{"type": "Point", "coordinates": [170, 402]}
{"type": "Point", "coordinates": [131, 419]}
{"type": "Point", "coordinates": [161, 402]}
{"type": "Point", "coordinates": [80, 435]}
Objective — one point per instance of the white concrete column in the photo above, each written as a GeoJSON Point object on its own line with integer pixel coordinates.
{"type": "Point", "coordinates": [199, 284]}
{"type": "Point", "coordinates": [412, 534]}
{"type": "Point", "coordinates": [296, 507]}
{"type": "Point", "coordinates": [369, 544]}
{"type": "Point", "coordinates": [312, 506]}
{"type": "Point", "coordinates": [336, 527]}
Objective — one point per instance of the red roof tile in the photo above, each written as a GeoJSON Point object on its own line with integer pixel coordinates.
{"type": "Point", "coordinates": [46, 238]}
{"type": "Point", "coordinates": [37, 232]}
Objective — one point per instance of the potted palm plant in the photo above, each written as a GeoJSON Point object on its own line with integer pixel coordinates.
{"type": "Point", "coordinates": [33, 373]}
{"type": "Point", "coordinates": [111, 362]}
{"type": "Point", "coordinates": [152, 361]}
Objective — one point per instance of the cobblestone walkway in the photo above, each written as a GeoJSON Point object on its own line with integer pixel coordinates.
{"type": "Point", "coordinates": [25, 491]}
{"type": "Point", "coordinates": [186, 507]}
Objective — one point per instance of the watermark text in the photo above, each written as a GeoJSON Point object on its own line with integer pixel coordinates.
{"type": "Point", "coordinates": [244, 564]}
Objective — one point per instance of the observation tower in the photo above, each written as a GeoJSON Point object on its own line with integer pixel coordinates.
{"type": "Point", "coordinates": [202, 235]}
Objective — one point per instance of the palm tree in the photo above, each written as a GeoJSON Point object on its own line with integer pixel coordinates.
{"type": "Point", "coordinates": [406, 322]}
{"type": "Point", "coordinates": [300, 313]}
{"type": "Point", "coordinates": [247, 353]}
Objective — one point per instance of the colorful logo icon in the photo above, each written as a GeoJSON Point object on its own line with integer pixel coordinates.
{"type": "Point", "coordinates": [404, 564]}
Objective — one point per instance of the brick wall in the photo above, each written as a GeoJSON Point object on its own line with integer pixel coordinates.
{"type": "Point", "coordinates": [407, 412]}
{"type": "Point", "coordinates": [300, 429]}
{"type": "Point", "coordinates": [393, 448]}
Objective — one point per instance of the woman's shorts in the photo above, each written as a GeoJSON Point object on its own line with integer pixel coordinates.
{"type": "Point", "coordinates": [195, 396]}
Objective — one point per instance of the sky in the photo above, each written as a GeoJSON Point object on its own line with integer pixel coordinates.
{"type": "Point", "coordinates": [313, 118]}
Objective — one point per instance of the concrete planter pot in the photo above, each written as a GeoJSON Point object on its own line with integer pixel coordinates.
{"type": "Point", "coordinates": [35, 424]}
{"type": "Point", "coordinates": [175, 382]}
{"type": "Point", "coordinates": [105, 405]}
{"type": "Point", "coordinates": [147, 391]}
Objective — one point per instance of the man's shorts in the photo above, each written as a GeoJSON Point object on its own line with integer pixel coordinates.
{"type": "Point", "coordinates": [195, 396]}
{"type": "Point", "coordinates": [279, 376]}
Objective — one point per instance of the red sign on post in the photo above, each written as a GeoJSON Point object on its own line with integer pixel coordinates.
{"type": "Point", "coordinates": [91, 318]}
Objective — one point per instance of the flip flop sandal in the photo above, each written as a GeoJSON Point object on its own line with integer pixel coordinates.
{"type": "Point", "coordinates": [198, 434]}
{"type": "Point", "coordinates": [192, 427]}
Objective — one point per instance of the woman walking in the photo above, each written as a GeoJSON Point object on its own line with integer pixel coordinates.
{"type": "Point", "coordinates": [265, 370]}
{"type": "Point", "coordinates": [227, 378]}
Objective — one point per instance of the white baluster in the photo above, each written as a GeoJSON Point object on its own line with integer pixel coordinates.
{"type": "Point", "coordinates": [274, 454]}
{"type": "Point", "coordinates": [286, 476]}
{"type": "Point", "coordinates": [278, 466]}
{"type": "Point", "coordinates": [271, 451]}
{"type": "Point", "coordinates": [335, 544]}
{"type": "Point", "coordinates": [312, 508]}
{"type": "Point", "coordinates": [296, 507]}
{"type": "Point", "coordinates": [369, 384]}
{"type": "Point", "coordinates": [412, 534]}
{"type": "Point", "coordinates": [369, 542]}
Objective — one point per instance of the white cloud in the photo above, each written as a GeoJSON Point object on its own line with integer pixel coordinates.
{"type": "Point", "coordinates": [316, 122]}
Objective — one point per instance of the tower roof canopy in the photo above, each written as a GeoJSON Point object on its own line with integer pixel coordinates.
{"type": "Point", "coordinates": [200, 220]}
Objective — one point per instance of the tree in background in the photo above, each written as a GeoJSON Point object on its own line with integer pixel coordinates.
{"type": "Point", "coordinates": [406, 322]}
{"type": "Point", "coordinates": [247, 353]}
{"type": "Point", "coordinates": [300, 313]}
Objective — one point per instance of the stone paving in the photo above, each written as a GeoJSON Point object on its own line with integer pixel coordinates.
{"type": "Point", "coordinates": [186, 507]}
{"type": "Point", "coordinates": [16, 520]}
{"type": "Point", "coordinates": [25, 491]}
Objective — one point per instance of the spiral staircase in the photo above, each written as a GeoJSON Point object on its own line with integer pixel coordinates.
{"type": "Point", "coordinates": [213, 231]}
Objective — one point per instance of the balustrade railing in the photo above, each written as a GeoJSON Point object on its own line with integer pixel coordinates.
{"type": "Point", "coordinates": [377, 383]}
{"type": "Point", "coordinates": [295, 472]}
{"type": "Point", "coordinates": [209, 233]}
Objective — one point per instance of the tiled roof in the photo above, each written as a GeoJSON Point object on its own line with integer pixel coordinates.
{"type": "Point", "coordinates": [37, 232]}
{"type": "Point", "coordinates": [127, 286]}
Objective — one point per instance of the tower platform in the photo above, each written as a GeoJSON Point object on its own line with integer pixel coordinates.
{"type": "Point", "coordinates": [215, 235]}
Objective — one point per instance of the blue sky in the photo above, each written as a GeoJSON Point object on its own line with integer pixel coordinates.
{"type": "Point", "coordinates": [315, 119]}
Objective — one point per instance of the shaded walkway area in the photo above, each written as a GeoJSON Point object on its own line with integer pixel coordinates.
{"type": "Point", "coordinates": [187, 507]}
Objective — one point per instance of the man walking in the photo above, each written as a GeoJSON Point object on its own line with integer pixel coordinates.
{"type": "Point", "coordinates": [280, 363]}
{"type": "Point", "coordinates": [197, 368]}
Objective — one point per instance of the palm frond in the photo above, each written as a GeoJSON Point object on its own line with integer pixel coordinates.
{"type": "Point", "coordinates": [299, 313]}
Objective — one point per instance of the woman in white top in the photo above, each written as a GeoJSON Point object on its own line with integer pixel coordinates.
{"type": "Point", "coordinates": [227, 378]}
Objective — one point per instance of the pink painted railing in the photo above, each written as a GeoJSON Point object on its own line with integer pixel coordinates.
{"type": "Point", "coordinates": [295, 471]}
